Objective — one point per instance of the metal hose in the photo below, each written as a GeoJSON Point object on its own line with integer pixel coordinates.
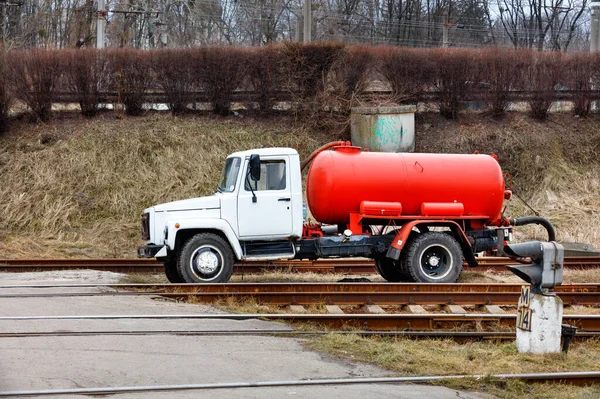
{"type": "Point", "coordinates": [319, 150]}
{"type": "Point", "coordinates": [536, 220]}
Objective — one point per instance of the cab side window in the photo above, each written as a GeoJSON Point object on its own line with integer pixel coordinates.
{"type": "Point", "coordinates": [272, 177]}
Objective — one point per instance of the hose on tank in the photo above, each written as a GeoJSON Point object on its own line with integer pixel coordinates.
{"type": "Point", "coordinates": [319, 150]}
{"type": "Point", "coordinates": [536, 220]}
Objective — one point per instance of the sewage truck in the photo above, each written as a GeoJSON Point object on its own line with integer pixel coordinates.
{"type": "Point", "coordinates": [418, 216]}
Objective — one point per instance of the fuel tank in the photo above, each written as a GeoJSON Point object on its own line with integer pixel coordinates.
{"type": "Point", "coordinates": [341, 179]}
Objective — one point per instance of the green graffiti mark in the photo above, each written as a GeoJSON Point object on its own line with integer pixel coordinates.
{"type": "Point", "coordinates": [389, 130]}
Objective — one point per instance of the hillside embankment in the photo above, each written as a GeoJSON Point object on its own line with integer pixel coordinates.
{"type": "Point", "coordinates": [75, 187]}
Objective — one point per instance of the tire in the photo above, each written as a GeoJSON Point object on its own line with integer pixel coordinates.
{"type": "Point", "coordinates": [388, 269]}
{"type": "Point", "coordinates": [205, 258]}
{"type": "Point", "coordinates": [172, 272]}
{"type": "Point", "coordinates": [432, 257]}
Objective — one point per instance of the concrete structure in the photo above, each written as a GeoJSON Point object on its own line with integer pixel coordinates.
{"type": "Point", "coordinates": [386, 129]}
{"type": "Point", "coordinates": [545, 324]}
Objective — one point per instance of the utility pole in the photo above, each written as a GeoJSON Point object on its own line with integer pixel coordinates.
{"type": "Point", "coordinates": [307, 20]}
{"type": "Point", "coordinates": [100, 25]}
{"type": "Point", "coordinates": [445, 29]}
{"type": "Point", "coordinates": [595, 25]}
{"type": "Point", "coordinates": [299, 37]}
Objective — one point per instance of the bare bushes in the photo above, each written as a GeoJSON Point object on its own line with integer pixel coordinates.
{"type": "Point", "coordinates": [265, 76]}
{"type": "Point", "coordinates": [308, 65]}
{"type": "Point", "coordinates": [319, 82]}
{"type": "Point", "coordinates": [407, 71]}
{"type": "Point", "coordinates": [86, 76]}
{"type": "Point", "coordinates": [456, 75]}
{"type": "Point", "coordinates": [582, 70]}
{"type": "Point", "coordinates": [34, 77]}
{"type": "Point", "coordinates": [5, 96]}
{"type": "Point", "coordinates": [131, 78]}
{"type": "Point", "coordinates": [540, 77]}
{"type": "Point", "coordinates": [307, 71]}
{"type": "Point", "coordinates": [499, 69]}
{"type": "Point", "coordinates": [351, 75]}
{"type": "Point", "coordinates": [174, 74]}
{"type": "Point", "coordinates": [219, 71]}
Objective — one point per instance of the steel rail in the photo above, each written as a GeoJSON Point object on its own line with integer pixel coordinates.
{"type": "Point", "coordinates": [340, 294]}
{"type": "Point", "coordinates": [455, 335]}
{"type": "Point", "coordinates": [577, 378]}
{"type": "Point", "coordinates": [299, 287]}
{"type": "Point", "coordinates": [340, 298]}
{"type": "Point", "coordinates": [340, 266]}
{"type": "Point", "coordinates": [376, 322]}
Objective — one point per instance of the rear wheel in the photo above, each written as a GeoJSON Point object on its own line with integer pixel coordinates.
{"type": "Point", "coordinates": [432, 257]}
{"type": "Point", "coordinates": [206, 258]}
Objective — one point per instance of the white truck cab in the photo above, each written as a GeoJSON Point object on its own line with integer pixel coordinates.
{"type": "Point", "coordinates": [255, 214]}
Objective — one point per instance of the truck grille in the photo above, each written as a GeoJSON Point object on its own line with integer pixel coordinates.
{"type": "Point", "coordinates": [145, 226]}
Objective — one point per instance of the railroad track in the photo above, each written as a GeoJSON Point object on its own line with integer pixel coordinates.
{"type": "Point", "coordinates": [286, 294]}
{"type": "Point", "coordinates": [458, 336]}
{"type": "Point", "coordinates": [574, 378]}
{"type": "Point", "coordinates": [374, 322]}
{"type": "Point", "coordinates": [345, 293]}
{"type": "Point", "coordinates": [337, 266]}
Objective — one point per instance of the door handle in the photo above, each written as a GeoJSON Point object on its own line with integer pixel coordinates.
{"type": "Point", "coordinates": [284, 199]}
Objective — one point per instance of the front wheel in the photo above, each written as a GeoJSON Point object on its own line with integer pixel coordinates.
{"type": "Point", "coordinates": [432, 257]}
{"type": "Point", "coordinates": [206, 258]}
{"type": "Point", "coordinates": [172, 272]}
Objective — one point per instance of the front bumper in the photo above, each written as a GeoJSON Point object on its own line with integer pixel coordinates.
{"type": "Point", "coordinates": [149, 251]}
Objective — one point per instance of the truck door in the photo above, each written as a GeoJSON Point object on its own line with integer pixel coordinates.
{"type": "Point", "coordinates": [270, 216]}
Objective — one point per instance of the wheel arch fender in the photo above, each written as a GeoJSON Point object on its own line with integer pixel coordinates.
{"type": "Point", "coordinates": [458, 233]}
{"type": "Point", "coordinates": [190, 227]}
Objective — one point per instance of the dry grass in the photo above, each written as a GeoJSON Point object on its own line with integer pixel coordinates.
{"type": "Point", "coordinates": [445, 357]}
{"type": "Point", "coordinates": [249, 305]}
{"type": "Point", "coordinates": [138, 278]}
{"type": "Point", "coordinates": [75, 187]}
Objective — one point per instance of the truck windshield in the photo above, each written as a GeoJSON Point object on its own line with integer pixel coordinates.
{"type": "Point", "coordinates": [230, 174]}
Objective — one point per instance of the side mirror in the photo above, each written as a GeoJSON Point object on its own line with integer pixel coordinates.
{"type": "Point", "coordinates": [254, 167]}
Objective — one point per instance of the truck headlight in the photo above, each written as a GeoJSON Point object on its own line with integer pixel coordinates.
{"type": "Point", "coordinates": [145, 226]}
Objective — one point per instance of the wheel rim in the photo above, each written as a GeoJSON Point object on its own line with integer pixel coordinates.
{"type": "Point", "coordinates": [206, 262]}
{"type": "Point", "coordinates": [436, 261]}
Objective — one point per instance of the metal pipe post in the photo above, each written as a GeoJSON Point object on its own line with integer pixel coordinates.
{"type": "Point", "coordinates": [445, 30]}
{"type": "Point", "coordinates": [307, 20]}
{"type": "Point", "coordinates": [100, 25]}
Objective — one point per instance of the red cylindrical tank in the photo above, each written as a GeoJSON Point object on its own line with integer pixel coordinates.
{"type": "Point", "coordinates": [339, 180]}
